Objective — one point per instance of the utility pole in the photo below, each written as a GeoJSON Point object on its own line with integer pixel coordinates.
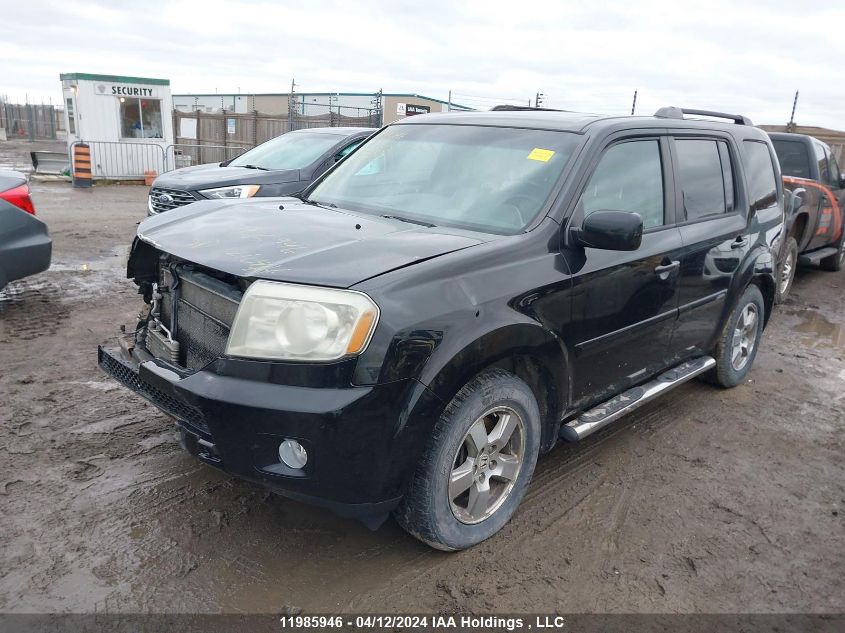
{"type": "Point", "coordinates": [538, 100]}
{"type": "Point", "coordinates": [449, 105]}
{"type": "Point", "coordinates": [376, 113]}
{"type": "Point", "coordinates": [790, 127]}
{"type": "Point", "coordinates": [634, 105]}
{"type": "Point", "coordinates": [292, 104]}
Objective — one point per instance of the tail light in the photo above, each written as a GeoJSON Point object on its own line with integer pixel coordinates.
{"type": "Point", "coordinates": [19, 196]}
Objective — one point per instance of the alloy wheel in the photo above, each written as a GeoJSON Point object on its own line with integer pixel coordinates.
{"type": "Point", "coordinates": [486, 465]}
{"type": "Point", "coordinates": [744, 337]}
{"type": "Point", "coordinates": [786, 272]}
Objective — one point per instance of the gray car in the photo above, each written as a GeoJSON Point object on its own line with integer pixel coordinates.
{"type": "Point", "coordinates": [282, 166]}
{"type": "Point", "coordinates": [25, 244]}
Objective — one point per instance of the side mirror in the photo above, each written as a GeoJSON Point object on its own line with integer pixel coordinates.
{"type": "Point", "coordinates": [842, 181]}
{"type": "Point", "coordinates": [610, 231]}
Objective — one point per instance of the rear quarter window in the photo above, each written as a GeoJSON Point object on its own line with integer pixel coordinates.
{"type": "Point", "coordinates": [793, 158]}
{"type": "Point", "coordinates": [760, 175]}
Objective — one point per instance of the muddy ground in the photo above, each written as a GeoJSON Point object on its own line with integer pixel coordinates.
{"type": "Point", "coordinates": [706, 501]}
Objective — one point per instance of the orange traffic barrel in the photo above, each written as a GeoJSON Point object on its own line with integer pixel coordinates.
{"type": "Point", "coordinates": [82, 165]}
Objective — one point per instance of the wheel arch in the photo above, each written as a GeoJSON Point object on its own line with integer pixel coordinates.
{"type": "Point", "coordinates": [528, 351]}
{"type": "Point", "coordinates": [798, 228]}
{"type": "Point", "coordinates": [768, 288]}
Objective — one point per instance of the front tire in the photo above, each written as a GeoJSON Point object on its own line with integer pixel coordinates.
{"type": "Point", "coordinates": [476, 465]}
{"type": "Point", "coordinates": [740, 338]}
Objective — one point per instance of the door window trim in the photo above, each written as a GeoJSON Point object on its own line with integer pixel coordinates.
{"type": "Point", "coordinates": [740, 201]}
{"type": "Point", "coordinates": [627, 136]}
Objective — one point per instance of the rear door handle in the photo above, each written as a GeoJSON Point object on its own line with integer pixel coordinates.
{"type": "Point", "coordinates": [739, 242]}
{"type": "Point", "coordinates": [664, 270]}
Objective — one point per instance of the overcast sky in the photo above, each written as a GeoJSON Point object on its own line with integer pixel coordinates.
{"type": "Point", "coordinates": [746, 57]}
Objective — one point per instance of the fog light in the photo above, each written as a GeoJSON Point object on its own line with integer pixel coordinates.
{"type": "Point", "coordinates": [292, 454]}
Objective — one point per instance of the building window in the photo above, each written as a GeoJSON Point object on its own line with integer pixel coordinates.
{"type": "Point", "coordinates": [140, 118]}
{"type": "Point", "coordinates": [71, 116]}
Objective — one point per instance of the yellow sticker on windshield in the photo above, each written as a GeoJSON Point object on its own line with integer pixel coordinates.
{"type": "Point", "coordinates": [543, 155]}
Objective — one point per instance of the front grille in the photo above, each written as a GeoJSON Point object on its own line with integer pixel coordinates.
{"type": "Point", "coordinates": [199, 310]}
{"type": "Point", "coordinates": [172, 199]}
{"type": "Point", "coordinates": [125, 374]}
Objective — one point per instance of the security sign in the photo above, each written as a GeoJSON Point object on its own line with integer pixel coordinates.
{"type": "Point", "coordinates": [408, 109]}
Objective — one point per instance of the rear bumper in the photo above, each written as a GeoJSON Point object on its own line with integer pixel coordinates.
{"type": "Point", "coordinates": [362, 441]}
{"type": "Point", "coordinates": [26, 255]}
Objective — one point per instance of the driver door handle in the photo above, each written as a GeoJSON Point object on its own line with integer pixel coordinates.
{"type": "Point", "coordinates": [664, 269]}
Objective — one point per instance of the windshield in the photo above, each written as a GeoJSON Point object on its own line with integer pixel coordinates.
{"type": "Point", "coordinates": [491, 179]}
{"type": "Point", "coordinates": [293, 150]}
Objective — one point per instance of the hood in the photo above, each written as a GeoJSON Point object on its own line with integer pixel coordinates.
{"type": "Point", "coordinates": [213, 175]}
{"type": "Point", "coordinates": [300, 243]}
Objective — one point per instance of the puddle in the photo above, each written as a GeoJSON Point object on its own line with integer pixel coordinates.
{"type": "Point", "coordinates": [814, 325]}
{"type": "Point", "coordinates": [115, 260]}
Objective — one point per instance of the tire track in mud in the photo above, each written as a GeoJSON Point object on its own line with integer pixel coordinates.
{"type": "Point", "coordinates": [566, 478]}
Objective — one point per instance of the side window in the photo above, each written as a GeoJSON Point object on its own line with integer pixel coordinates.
{"type": "Point", "coordinates": [706, 177]}
{"type": "Point", "coordinates": [629, 177]}
{"type": "Point", "coordinates": [793, 158]}
{"type": "Point", "coordinates": [727, 175]}
{"type": "Point", "coordinates": [824, 174]}
{"type": "Point", "coordinates": [833, 171]}
{"type": "Point", "coordinates": [760, 173]}
{"type": "Point", "coordinates": [348, 149]}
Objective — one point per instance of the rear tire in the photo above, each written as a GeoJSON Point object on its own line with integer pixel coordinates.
{"type": "Point", "coordinates": [476, 465]}
{"type": "Point", "coordinates": [835, 263]}
{"type": "Point", "coordinates": [740, 338]}
{"type": "Point", "coordinates": [786, 269]}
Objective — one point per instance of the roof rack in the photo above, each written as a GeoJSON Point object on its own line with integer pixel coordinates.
{"type": "Point", "coordinates": [518, 108]}
{"type": "Point", "coordinates": [672, 112]}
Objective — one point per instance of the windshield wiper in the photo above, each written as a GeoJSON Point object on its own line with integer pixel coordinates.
{"type": "Point", "coordinates": [255, 167]}
{"type": "Point", "coordinates": [324, 205]}
{"type": "Point", "coordinates": [409, 220]}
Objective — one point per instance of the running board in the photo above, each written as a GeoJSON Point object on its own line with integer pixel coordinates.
{"type": "Point", "coordinates": [600, 416]}
{"type": "Point", "coordinates": [814, 257]}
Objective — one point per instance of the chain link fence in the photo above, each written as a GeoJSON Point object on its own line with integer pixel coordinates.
{"type": "Point", "coordinates": [244, 131]}
{"type": "Point", "coordinates": [28, 121]}
{"type": "Point", "coordinates": [181, 155]}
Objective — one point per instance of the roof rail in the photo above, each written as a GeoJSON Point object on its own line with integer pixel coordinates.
{"type": "Point", "coordinates": [518, 108]}
{"type": "Point", "coordinates": [672, 112]}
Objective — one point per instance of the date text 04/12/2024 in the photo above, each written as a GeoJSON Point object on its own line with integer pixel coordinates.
{"type": "Point", "coordinates": [543, 622]}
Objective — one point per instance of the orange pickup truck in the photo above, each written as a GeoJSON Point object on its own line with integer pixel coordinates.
{"type": "Point", "coordinates": [814, 221]}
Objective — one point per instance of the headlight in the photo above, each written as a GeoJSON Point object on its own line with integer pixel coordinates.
{"type": "Point", "coordinates": [290, 322]}
{"type": "Point", "coordinates": [235, 191]}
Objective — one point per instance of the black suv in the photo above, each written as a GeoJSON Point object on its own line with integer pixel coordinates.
{"type": "Point", "coordinates": [450, 300]}
{"type": "Point", "coordinates": [282, 166]}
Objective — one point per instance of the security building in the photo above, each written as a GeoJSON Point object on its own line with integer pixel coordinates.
{"type": "Point", "coordinates": [126, 120]}
{"type": "Point", "coordinates": [394, 106]}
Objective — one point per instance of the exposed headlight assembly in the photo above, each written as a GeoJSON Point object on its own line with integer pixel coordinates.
{"type": "Point", "coordinates": [234, 191]}
{"type": "Point", "coordinates": [305, 323]}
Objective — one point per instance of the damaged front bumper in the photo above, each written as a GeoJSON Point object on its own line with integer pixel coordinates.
{"type": "Point", "coordinates": [355, 436]}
